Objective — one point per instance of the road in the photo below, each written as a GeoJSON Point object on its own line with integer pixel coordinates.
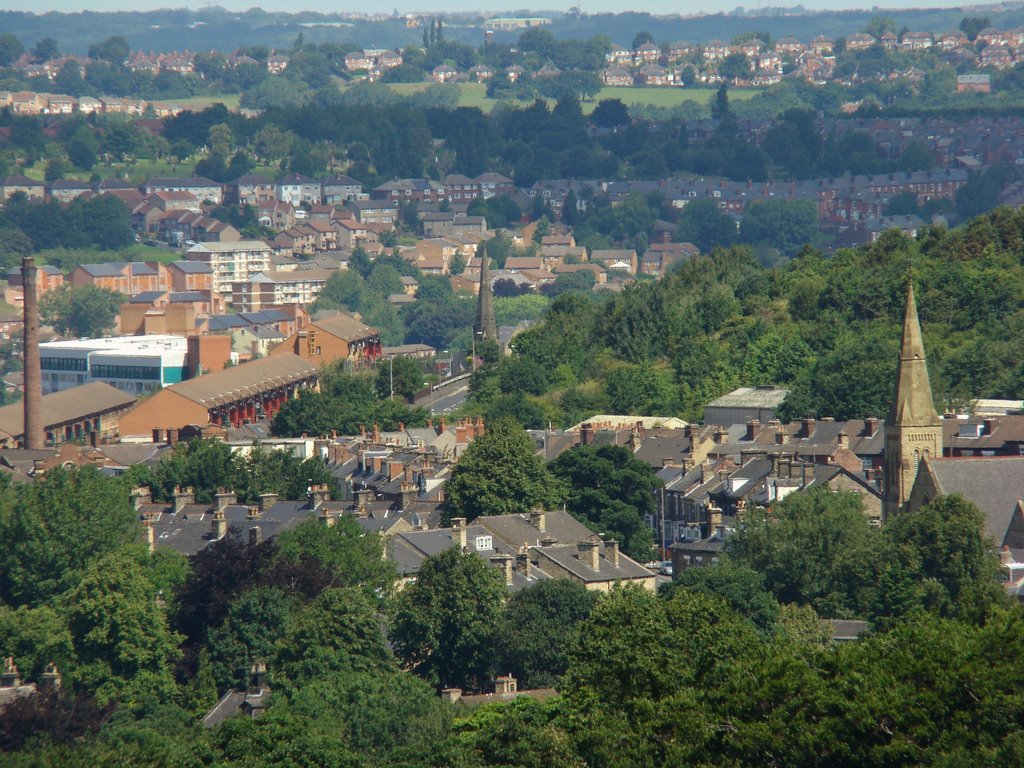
{"type": "Point", "coordinates": [446, 398]}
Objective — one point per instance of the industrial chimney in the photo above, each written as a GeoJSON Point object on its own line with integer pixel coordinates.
{"type": "Point", "coordinates": [34, 439]}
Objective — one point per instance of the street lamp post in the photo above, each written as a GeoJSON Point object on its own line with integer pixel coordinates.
{"type": "Point", "coordinates": [391, 375]}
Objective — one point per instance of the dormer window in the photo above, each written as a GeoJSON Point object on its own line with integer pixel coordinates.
{"type": "Point", "coordinates": [971, 430]}
{"type": "Point", "coordinates": [484, 542]}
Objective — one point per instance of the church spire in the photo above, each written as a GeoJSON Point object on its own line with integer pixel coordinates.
{"type": "Point", "coordinates": [485, 326]}
{"type": "Point", "coordinates": [912, 403]}
{"type": "Point", "coordinates": [913, 431]}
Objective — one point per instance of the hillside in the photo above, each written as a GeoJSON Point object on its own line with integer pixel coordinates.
{"type": "Point", "coordinates": [826, 328]}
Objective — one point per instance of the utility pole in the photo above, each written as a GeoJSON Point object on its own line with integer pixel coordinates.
{"type": "Point", "coordinates": [391, 375]}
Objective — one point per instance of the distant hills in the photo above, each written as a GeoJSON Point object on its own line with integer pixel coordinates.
{"type": "Point", "coordinates": [220, 29]}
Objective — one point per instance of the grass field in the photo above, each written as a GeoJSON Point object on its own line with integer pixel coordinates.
{"type": "Point", "coordinates": [229, 100]}
{"type": "Point", "coordinates": [475, 95]}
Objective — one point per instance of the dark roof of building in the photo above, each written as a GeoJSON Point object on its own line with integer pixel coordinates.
{"type": "Point", "coordinates": [993, 484]}
{"type": "Point", "coordinates": [517, 530]}
{"type": "Point", "coordinates": [847, 629]}
{"type": "Point", "coordinates": [106, 269]}
{"type": "Point", "coordinates": [568, 557]}
{"type": "Point", "coordinates": [192, 267]}
{"type": "Point", "coordinates": [179, 183]}
{"type": "Point", "coordinates": [226, 386]}
{"type": "Point", "coordinates": [345, 327]}
{"type": "Point", "coordinates": [146, 297]}
{"type": "Point", "coordinates": [68, 405]}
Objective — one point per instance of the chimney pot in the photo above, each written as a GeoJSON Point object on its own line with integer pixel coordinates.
{"type": "Point", "coordinates": [267, 500]}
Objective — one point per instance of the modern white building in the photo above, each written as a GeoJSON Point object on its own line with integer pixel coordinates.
{"type": "Point", "coordinates": [232, 262]}
{"type": "Point", "coordinates": [270, 288]}
{"type": "Point", "coordinates": [133, 364]}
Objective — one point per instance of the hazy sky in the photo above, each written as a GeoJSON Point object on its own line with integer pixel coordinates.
{"type": "Point", "coordinates": [406, 6]}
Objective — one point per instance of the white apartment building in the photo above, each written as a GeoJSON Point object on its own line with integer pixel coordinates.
{"type": "Point", "coordinates": [298, 286]}
{"type": "Point", "coordinates": [232, 262]}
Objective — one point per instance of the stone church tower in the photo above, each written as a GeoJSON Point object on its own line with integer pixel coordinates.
{"type": "Point", "coordinates": [913, 430]}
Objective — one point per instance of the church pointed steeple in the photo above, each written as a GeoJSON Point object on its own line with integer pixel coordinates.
{"type": "Point", "coordinates": [913, 431]}
{"type": "Point", "coordinates": [485, 326]}
{"type": "Point", "coordinates": [912, 403]}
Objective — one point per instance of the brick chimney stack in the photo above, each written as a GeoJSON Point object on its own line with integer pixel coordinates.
{"type": "Point", "coordinates": [504, 565]}
{"type": "Point", "coordinates": [35, 440]}
{"type": "Point", "coordinates": [590, 554]}
{"type": "Point", "coordinates": [611, 552]}
{"type": "Point", "coordinates": [223, 498]}
{"type": "Point", "coordinates": [459, 532]}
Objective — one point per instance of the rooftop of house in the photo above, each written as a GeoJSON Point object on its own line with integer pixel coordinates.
{"type": "Point", "coordinates": [66, 406]}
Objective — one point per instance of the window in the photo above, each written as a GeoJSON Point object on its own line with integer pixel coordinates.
{"type": "Point", "coordinates": [483, 542]}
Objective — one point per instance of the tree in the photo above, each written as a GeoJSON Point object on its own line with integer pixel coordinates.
{"type": "Point", "coordinates": [610, 113]}
{"type": "Point", "coordinates": [120, 631]}
{"type": "Point", "coordinates": [805, 548]}
{"type": "Point", "coordinates": [741, 586]}
{"type": "Point", "coordinates": [344, 552]}
{"type": "Point", "coordinates": [946, 548]}
{"type": "Point", "coordinates": [55, 527]}
{"type": "Point", "coordinates": [444, 622]}
{"type": "Point", "coordinates": [787, 225]}
{"type": "Point", "coordinates": [44, 50]}
{"type": "Point", "coordinates": [880, 25]}
{"type": "Point", "coordinates": [702, 224]}
{"type": "Point", "coordinates": [83, 149]}
{"type": "Point", "coordinates": [641, 38]}
{"type": "Point", "coordinates": [972, 25]}
{"type": "Point", "coordinates": [399, 376]}
{"type": "Point", "coordinates": [114, 50]}
{"type": "Point", "coordinates": [851, 381]}
{"type": "Point", "coordinates": [518, 374]}
{"type": "Point", "coordinates": [500, 474]}
{"type": "Point", "coordinates": [535, 634]}
{"type": "Point", "coordinates": [720, 110]}
{"type": "Point", "coordinates": [10, 48]}
{"type": "Point", "coordinates": [735, 66]}
{"type": "Point", "coordinates": [82, 311]}
{"type": "Point", "coordinates": [612, 492]}
{"type": "Point", "coordinates": [338, 632]}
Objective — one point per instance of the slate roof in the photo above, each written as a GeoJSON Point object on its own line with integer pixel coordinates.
{"type": "Point", "coordinates": [345, 327]}
{"type": "Point", "coordinates": [567, 556]}
{"type": "Point", "coordinates": [72, 404]}
{"type": "Point", "coordinates": [226, 386]}
{"type": "Point", "coordinates": [751, 397]}
{"type": "Point", "coordinates": [993, 484]}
